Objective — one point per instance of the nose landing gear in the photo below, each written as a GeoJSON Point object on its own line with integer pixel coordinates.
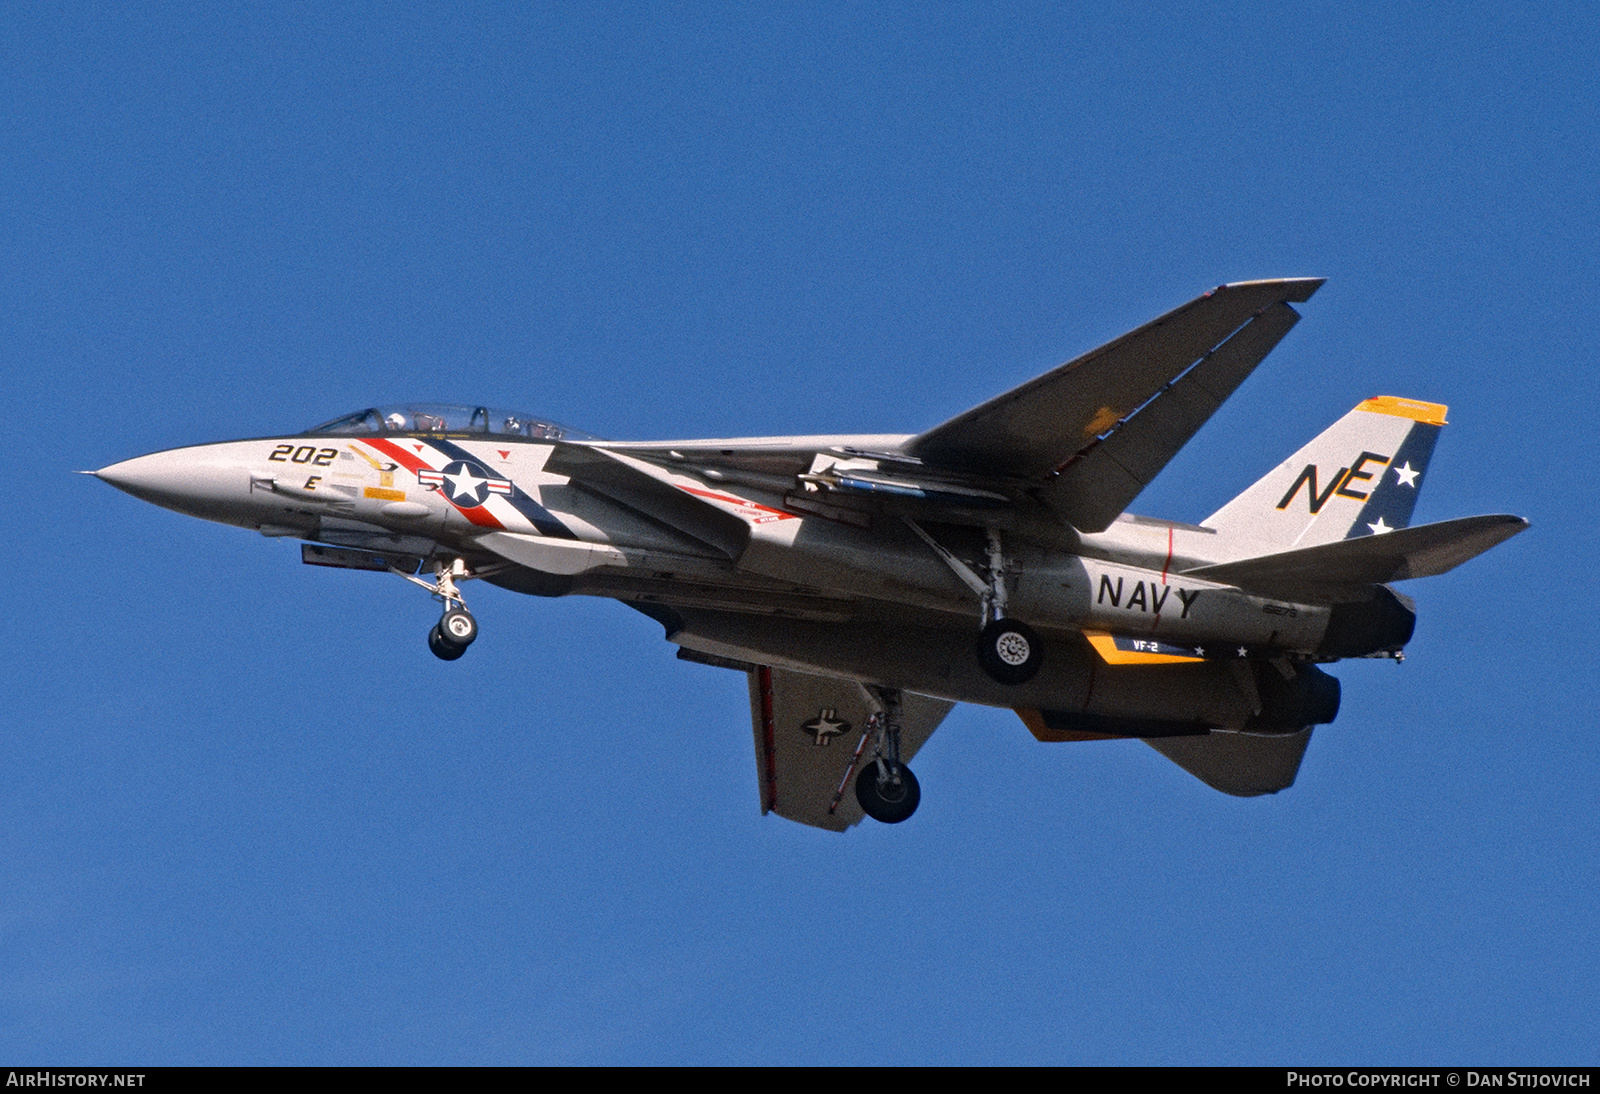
{"type": "Point", "coordinates": [443, 650]}
{"type": "Point", "coordinates": [456, 629]}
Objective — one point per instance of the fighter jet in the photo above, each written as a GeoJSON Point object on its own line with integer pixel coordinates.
{"type": "Point", "coordinates": [867, 584]}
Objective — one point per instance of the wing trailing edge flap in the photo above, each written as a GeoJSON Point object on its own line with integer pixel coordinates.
{"type": "Point", "coordinates": [1032, 430]}
{"type": "Point", "coordinates": [1331, 571]}
{"type": "Point", "coordinates": [807, 728]}
{"type": "Point", "coordinates": [1240, 764]}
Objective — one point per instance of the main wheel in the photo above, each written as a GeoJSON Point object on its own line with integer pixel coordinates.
{"type": "Point", "coordinates": [458, 627]}
{"type": "Point", "coordinates": [442, 648]}
{"type": "Point", "coordinates": [1009, 651]}
{"type": "Point", "coordinates": [890, 800]}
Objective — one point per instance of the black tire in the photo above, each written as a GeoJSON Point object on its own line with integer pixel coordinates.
{"type": "Point", "coordinates": [458, 628]}
{"type": "Point", "coordinates": [442, 649]}
{"type": "Point", "coordinates": [1009, 651]}
{"type": "Point", "coordinates": [888, 800]}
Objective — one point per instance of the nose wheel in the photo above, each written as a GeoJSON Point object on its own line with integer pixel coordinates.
{"type": "Point", "coordinates": [458, 627]}
{"type": "Point", "coordinates": [452, 635]}
{"type": "Point", "coordinates": [443, 650]}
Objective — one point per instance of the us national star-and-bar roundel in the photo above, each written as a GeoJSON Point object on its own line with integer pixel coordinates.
{"type": "Point", "coordinates": [467, 484]}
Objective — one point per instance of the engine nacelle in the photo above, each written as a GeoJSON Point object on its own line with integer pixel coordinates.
{"type": "Point", "coordinates": [1308, 697]}
{"type": "Point", "coordinates": [1383, 624]}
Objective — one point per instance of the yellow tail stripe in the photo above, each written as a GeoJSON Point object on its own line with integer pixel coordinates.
{"type": "Point", "coordinates": [1429, 413]}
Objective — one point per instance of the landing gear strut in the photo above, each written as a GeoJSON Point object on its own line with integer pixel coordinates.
{"type": "Point", "coordinates": [886, 788]}
{"type": "Point", "coordinates": [1008, 651]}
{"type": "Point", "coordinates": [456, 630]}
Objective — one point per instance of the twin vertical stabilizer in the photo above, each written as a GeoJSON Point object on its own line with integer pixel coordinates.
{"type": "Point", "coordinates": [1359, 477]}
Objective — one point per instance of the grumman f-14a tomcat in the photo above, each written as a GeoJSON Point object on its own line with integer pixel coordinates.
{"type": "Point", "coordinates": [866, 584]}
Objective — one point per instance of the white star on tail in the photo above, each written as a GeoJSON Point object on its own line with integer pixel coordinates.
{"type": "Point", "coordinates": [1406, 476]}
{"type": "Point", "coordinates": [1379, 528]}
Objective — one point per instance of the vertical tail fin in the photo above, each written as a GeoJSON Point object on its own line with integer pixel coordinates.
{"type": "Point", "coordinates": [1360, 477]}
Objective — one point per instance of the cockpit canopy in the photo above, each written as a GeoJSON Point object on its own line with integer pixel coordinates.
{"type": "Point", "coordinates": [448, 418]}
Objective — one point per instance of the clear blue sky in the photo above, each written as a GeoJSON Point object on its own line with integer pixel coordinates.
{"type": "Point", "coordinates": [246, 817]}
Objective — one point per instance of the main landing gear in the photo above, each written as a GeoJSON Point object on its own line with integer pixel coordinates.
{"type": "Point", "coordinates": [886, 788]}
{"type": "Point", "coordinates": [1008, 651]}
{"type": "Point", "coordinates": [456, 629]}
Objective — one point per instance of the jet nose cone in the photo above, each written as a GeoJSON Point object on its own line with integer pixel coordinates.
{"type": "Point", "coordinates": [211, 481]}
{"type": "Point", "coordinates": [148, 477]}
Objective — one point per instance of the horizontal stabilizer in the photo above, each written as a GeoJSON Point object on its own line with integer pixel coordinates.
{"type": "Point", "coordinates": [1240, 764]}
{"type": "Point", "coordinates": [1330, 570]}
{"type": "Point", "coordinates": [1032, 430]}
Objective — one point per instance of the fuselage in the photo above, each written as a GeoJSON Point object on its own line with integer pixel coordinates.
{"type": "Point", "coordinates": [723, 535]}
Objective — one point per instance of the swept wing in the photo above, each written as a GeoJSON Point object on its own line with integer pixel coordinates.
{"type": "Point", "coordinates": [1093, 432]}
{"type": "Point", "coordinates": [1083, 439]}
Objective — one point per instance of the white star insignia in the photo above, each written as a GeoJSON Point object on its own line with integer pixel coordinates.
{"type": "Point", "coordinates": [464, 484]}
{"type": "Point", "coordinates": [825, 726]}
{"type": "Point", "coordinates": [1380, 528]}
{"type": "Point", "coordinates": [1406, 476]}
{"type": "Point", "coordinates": [1243, 652]}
